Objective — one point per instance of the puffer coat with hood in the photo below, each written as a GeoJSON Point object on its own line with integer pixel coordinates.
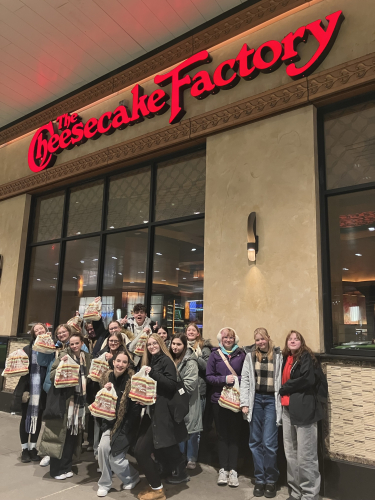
{"type": "Point", "coordinates": [189, 374]}
{"type": "Point", "coordinates": [217, 371]}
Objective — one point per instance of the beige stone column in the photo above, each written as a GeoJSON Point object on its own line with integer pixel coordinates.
{"type": "Point", "coordinates": [269, 167]}
{"type": "Point", "coordinates": [14, 218]}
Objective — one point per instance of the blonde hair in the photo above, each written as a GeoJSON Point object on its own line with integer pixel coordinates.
{"type": "Point", "coordinates": [146, 358]}
{"type": "Point", "coordinates": [198, 341]}
{"type": "Point", "coordinates": [264, 334]}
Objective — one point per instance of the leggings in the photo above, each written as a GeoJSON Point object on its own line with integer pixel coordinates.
{"type": "Point", "coordinates": [228, 426]}
{"type": "Point", "coordinates": [24, 436]}
{"type": "Point", "coordinates": [143, 449]}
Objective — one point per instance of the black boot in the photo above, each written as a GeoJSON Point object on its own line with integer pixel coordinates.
{"type": "Point", "coordinates": [259, 490]}
{"type": "Point", "coordinates": [25, 456]}
{"type": "Point", "coordinates": [34, 455]}
{"type": "Point", "coordinates": [179, 475]}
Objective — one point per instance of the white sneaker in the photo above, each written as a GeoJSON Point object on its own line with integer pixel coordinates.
{"type": "Point", "coordinates": [69, 474]}
{"type": "Point", "coordinates": [61, 476]}
{"type": "Point", "coordinates": [90, 448]}
{"type": "Point", "coordinates": [45, 461]}
{"type": "Point", "coordinates": [233, 479]}
{"type": "Point", "coordinates": [223, 477]}
{"type": "Point", "coordinates": [132, 484]}
{"type": "Point", "coordinates": [102, 492]}
{"type": "Point", "coordinates": [191, 465]}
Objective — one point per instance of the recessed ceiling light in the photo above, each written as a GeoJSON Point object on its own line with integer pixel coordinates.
{"type": "Point", "coordinates": [141, 272]}
{"type": "Point", "coordinates": [75, 277]}
{"type": "Point", "coordinates": [38, 279]}
{"type": "Point", "coordinates": [156, 271]}
{"type": "Point", "coordinates": [84, 285]}
{"type": "Point", "coordinates": [55, 278]}
{"type": "Point", "coordinates": [177, 268]}
{"type": "Point", "coordinates": [196, 213]}
{"type": "Point", "coordinates": [120, 274]}
{"type": "Point", "coordinates": [79, 232]}
{"type": "Point", "coordinates": [145, 221]}
{"type": "Point", "coordinates": [51, 286]}
{"type": "Point", "coordinates": [111, 227]}
{"type": "Point", "coordinates": [77, 201]}
{"type": "Point", "coordinates": [132, 282]}
{"type": "Point", "coordinates": [94, 260]}
{"type": "Point", "coordinates": [158, 253]}
{"type": "Point", "coordinates": [164, 280]}
{"type": "Point", "coordinates": [82, 261]}
{"type": "Point", "coordinates": [56, 264]}
{"type": "Point", "coordinates": [193, 249]}
{"type": "Point", "coordinates": [196, 277]}
{"type": "Point", "coordinates": [371, 228]}
{"type": "Point", "coordinates": [115, 258]}
{"type": "Point", "coordinates": [345, 269]}
{"type": "Point", "coordinates": [358, 254]}
{"type": "Point", "coordinates": [184, 278]}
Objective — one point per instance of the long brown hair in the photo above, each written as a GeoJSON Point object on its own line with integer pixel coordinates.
{"type": "Point", "coordinates": [264, 334]}
{"type": "Point", "coordinates": [199, 340]}
{"type": "Point", "coordinates": [32, 331]}
{"type": "Point", "coordinates": [177, 359]}
{"type": "Point", "coordinates": [146, 358]}
{"type": "Point", "coordinates": [297, 355]}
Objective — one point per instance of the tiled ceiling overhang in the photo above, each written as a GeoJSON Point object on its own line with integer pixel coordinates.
{"type": "Point", "coordinates": [52, 48]}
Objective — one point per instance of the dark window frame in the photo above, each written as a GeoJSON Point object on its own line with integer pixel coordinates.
{"type": "Point", "coordinates": [324, 195]}
{"type": "Point", "coordinates": [150, 225]}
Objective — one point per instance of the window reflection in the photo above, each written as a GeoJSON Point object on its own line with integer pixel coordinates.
{"type": "Point", "coordinates": [80, 275]}
{"type": "Point", "coordinates": [181, 187]}
{"type": "Point", "coordinates": [42, 286]}
{"type": "Point", "coordinates": [129, 198]}
{"type": "Point", "coordinates": [48, 217]}
{"type": "Point", "coordinates": [85, 209]}
{"type": "Point", "coordinates": [352, 248]}
{"type": "Point", "coordinates": [177, 291]}
{"type": "Point", "coordinates": [125, 271]}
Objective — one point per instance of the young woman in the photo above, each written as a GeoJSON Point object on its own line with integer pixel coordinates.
{"type": "Point", "coordinates": [202, 349]}
{"type": "Point", "coordinates": [187, 366]}
{"type": "Point", "coordinates": [63, 437]}
{"type": "Point", "coordinates": [112, 346]}
{"type": "Point", "coordinates": [159, 433]}
{"type": "Point", "coordinates": [61, 338]}
{"type": "Point", "coordinates": [118, 434]}
{"type": "Point", "coordinates": [163, 332]}
{"type": "Point", "coordinates": [29, 399]}
{"type": "Point", "coordinates": [301, 412]}
{"type": "Point", "coordinates": [227, 422]}
{"type": "Point", "coordinates": [260, 402]}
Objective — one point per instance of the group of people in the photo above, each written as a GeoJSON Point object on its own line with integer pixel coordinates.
{"type": "Point", "coordinates": [275, 387]}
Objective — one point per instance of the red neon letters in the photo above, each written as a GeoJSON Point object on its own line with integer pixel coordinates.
{"type": "Point", "coordinates": [248, 63]}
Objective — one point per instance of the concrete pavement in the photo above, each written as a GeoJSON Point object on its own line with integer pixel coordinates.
{"type": "Point", "coordinates": [31, 482]}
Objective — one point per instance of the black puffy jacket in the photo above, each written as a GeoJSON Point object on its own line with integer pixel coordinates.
{"type": "Point", "coordinates": [304, 406]}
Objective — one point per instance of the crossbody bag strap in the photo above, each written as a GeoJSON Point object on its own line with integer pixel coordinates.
{"type": "Point", "coordinates": [227, 363]}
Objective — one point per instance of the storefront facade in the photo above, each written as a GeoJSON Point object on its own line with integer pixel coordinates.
{"type": "Point", "coordinates": [152, 204]}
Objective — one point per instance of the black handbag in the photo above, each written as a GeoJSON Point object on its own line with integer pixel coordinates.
{"type": "Point", "coordinates": [179, 404]}
{"type": "Point", "coordinates": [56, 403]}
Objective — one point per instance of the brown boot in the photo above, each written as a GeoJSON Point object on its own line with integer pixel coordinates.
{"type": "Point", "coordinates": [152, 495]}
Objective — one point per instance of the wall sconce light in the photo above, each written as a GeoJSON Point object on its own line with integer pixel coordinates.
{"type": "Point", "coordinates": [252, 238]}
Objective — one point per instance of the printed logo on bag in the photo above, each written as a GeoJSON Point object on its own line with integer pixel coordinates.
{"type": "Point", "coordinates": [69, 131]}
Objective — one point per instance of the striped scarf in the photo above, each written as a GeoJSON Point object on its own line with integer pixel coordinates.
{"type": "Point", "coordinates": [76, 410]}
{"type": "Point", "coordinates": [35, 390]}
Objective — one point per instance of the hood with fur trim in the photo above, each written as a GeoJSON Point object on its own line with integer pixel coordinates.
{"type": "Point", "coordinates": [220, 333]}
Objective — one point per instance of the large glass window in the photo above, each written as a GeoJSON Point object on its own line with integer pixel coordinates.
{"type": "Point", "coordinates": [349, 136]}
{"type": "Point", "coordinates": [177, 291]}
{"type": "Point", "coordinates": [147, 247]}
{"type": "Point", "coordinates": [42, 285]}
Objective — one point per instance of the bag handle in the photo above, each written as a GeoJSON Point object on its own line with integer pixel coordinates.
{"type": "Point", "coordinates": [227, 364]}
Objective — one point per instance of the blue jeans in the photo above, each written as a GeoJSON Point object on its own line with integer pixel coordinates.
{"type": "Point", "coordinates": [190, 448]}
{"type": "Point", "coordinates": [263, 441]}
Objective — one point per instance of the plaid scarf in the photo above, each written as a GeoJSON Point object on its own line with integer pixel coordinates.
{"type": "Point", "coordinates": [76, 410]}
{"type": "Point", "coordinates": [263, 375]}
{"type": "Point", "coordinates": [35, 390]}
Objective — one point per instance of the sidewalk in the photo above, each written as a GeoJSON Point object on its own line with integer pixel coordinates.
{"type": "Point", "coordinates": [32, 482]}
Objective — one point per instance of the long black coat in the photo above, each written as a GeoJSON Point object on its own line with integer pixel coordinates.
{"type": "Point", "coordinates": [128, 412]}
{"type": "Point", "coordinates": [304, 407]}
{"type": "Point", "coordinates": [166, 432]}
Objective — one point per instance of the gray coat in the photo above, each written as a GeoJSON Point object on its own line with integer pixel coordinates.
{"type": "Point", "coordinates": [202, 363]}
{"type": "Point", "coordinates": [248, 383]}
{"type": "Point", "coordinates": [188, 371]}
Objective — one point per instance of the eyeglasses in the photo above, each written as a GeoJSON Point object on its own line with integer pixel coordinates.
{"type": "Point", "coordinates": [113, 342]}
